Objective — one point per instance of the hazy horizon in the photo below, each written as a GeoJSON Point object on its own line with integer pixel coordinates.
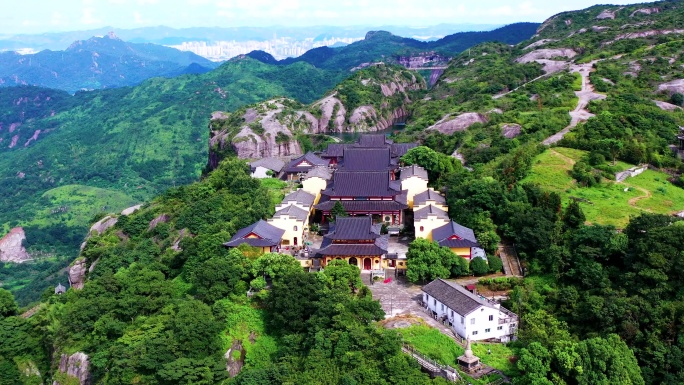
{"type": "Point", "coordinates": [38, 16]}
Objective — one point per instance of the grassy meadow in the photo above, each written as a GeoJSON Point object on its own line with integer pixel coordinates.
{"type": "Point", "coordinates": [611, 203]}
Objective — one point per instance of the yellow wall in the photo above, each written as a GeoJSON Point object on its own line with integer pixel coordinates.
{"type": "Point", "coordinates": [286, 223]}
{"type": "Point", "coordinates": [462, 251]}
{"type": "Point", "coordinates": [359, 261]}
{"type": "Point", "coordinates": [305, 262]}
{"type": "Point", "coordinates": [414, 185]}
{"type": "Point", "coordinates": [428, 224]}
{"type": "Point", "coordinates": [314, 186]}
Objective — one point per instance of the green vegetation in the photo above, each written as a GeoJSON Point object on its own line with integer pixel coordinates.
{"type": "Point", "coordinates": [432, 343]}
{"type": "Point", "coordinates": [607, 203]}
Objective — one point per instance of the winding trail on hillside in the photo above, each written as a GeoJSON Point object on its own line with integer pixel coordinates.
{"type": "Point", "coordinates": [585, 95]}
{"type": "Point", "coordinates": [632, 202]}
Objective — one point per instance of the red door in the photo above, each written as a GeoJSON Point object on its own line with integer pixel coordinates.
{"type": "Point", "coordinates": [367, 264]}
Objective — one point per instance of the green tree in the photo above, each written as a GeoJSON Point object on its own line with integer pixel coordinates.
{"type": "Point", "coordinates": [275, 265]}
{"type": "Point", "coordinates": [8, 307]}
{"type": "Point", "coordinates": [495, 264]}
{"type": "Point", "coordinates": [337, 211]}
{"type": "Point", "coordinates": [425, 261]}
{"type": "Point", "coordinates": [573, 216]}
{"type": "Point", "coordinates": [341, 275]}
{"type": "Point", "coordinates": [479, 266]}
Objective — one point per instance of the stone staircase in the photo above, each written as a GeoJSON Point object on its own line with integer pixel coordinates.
{"type": "Point", "coordinates": [510, 260]}
{"type": "Point", "coordinates": [433, 367]}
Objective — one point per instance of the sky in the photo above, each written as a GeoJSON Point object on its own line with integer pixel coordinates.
{"type": "Point", "coordinates": [39, 16]}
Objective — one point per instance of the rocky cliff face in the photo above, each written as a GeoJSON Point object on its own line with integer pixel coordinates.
{"type": "Point", "coordinates": [270, 129]}
{"type": "Point", "coordinates": [77, 273]}
{"type": "Point", "coordinates": [11, 246]}
{"type": "Point", "coordinates": [73, 369]}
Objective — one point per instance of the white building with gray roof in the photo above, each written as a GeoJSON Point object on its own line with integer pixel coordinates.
{"type": "Point", "coordinates": [469, 315]}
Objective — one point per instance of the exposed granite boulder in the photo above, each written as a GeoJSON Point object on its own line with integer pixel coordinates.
{"type": "Point", "coordinates": [103, 225]}
{"type": "Point", "coordinates": [131, 210]}
{"type": "Point", "coordinates": [332, 114]}
{"type": "Point", "coordinates": [548, 53]}
{"type": "Point", "coordinates": [163, 218]}
{"type": "Point", "coordinates": [598, 28]}
{"type": "Point", "coordinates": [667, 106]}
{"type": "Point", "coordinates": [511, 130]}
{"type": "Point", "coordinates": [673, 87]}
{"type": "Point", "coordinates": [77, 273]}
{"type": "Point", "coordinates": [606, 14]}
{"type": "Point", "coordinates": [73, 369]}
{"type": "Point", "coordinates": [448, 125]}
{"type": "Point", "coordinates": [12, 246]}
{"type": "Point", "coordinates": [539, 43]}
{"type": "Point", "coordinates": [637, 35]}
{"type": "Point", "coordinates": [645, 11]}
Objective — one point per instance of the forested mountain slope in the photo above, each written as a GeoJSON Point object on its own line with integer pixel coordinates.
{"type": "Point", "coordinates": [132, 141]}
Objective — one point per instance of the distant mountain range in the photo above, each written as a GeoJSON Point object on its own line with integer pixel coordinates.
{"type": "Point", "coordinates": [172, 36]}
{"type": "Point", "coordinates": [381, 45]}
{"type": "Point", "coordinates": [96, 63]}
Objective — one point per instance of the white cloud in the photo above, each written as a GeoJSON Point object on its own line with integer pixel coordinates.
{"type": "Point", "coordinates": [88, 17]}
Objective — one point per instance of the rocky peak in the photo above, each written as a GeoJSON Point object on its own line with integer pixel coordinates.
{"type": "Point", "coordinates": [371, 35]}
{"type": "Point", "coordinates": [74, 369]}
{"type": "Point", "coordinates": [12, 246]}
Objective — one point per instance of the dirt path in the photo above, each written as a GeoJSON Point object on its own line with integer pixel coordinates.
{"type": "Point", "coordinates": [586, 95]}
{"type": "Point", "coordinates": [632, 202]}
{"type": "Point", "coordinates": [569, 161]}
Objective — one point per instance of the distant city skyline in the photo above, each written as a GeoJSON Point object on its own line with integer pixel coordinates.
{"type": "Point", "coordinates": [40, 16]}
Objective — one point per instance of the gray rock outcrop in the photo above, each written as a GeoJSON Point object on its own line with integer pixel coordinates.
{"type": "Point", "coordinates": [163, 218]}
{"type": "Point", "coordinates": [448, 125]}
{"type": "Point", "coordinates": [645, 11]}
{"type": "Point", "coordinates": [77, 273]}
{"type": "Point", "coordinates": [606, 14]}
{"type": "Point", "coordinates": [103, 225]}
{"type": "Point", "coordinates": [75, 367]}
{"type": "Point", "coordinates": [131, 210]}
{"type": "Point", "coordinates": [673, 87]}
{"type": "Point", "coordinates": [511, 130]}
{"type": "Point", "coordinates": [666, 106]}
{"type": "Point", "coordinates": [12, 246]}
{"type": "Point", "coordinates": [548, 53]}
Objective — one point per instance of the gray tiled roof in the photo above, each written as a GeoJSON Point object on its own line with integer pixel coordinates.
{"type": "Point", "coordinates": [429, 195]}
{"type": "Point", "coordinates": [300, 196]}
{"type": "Point", "coordinates": [366, 159]}
{"type": "Point", "coordinates": [430, 210]}
{"type": "Point", "coordinates": [320, 172]}
{"type": "Point", "coordinates": [455, 296]}
{"type": "Point", "coordinates": [373, 140]}
{"type": "Point", "coordinates": [462, 236]}
{"type": "Point", "coordinates": [363, 206]}
{"type": "Point", "coordinates": [413, 170]}
{"type": "Point", "coordinates": [269, 235]}
{"type": "Point", "coordinates": [361, 184]}
{"type": "Point", "coordinates": [293, 212]}
{"type": "Point", "coordinates": [311, 158]}
{"type": "Point", "coordinates": [400, 149]}
{"type": "Point", "coordinates": [335, 150]}
{"type": "Point", "coordinates": [274, 164]}
{"type": "Point", "coordinates": [353, 228]}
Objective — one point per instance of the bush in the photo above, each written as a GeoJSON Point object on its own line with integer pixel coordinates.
{"type": "Point", "coordinates": [479, 267]}
{"type": "Point", "coordinates": [495, 264]}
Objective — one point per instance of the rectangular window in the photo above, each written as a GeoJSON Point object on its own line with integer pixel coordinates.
{"type": "Point", "coordinates": [472, 321]}
{"type": "Point", "coordinates": [442, 307]}
{"type": "Point", "coordinates": [452, 313]}
{"type": "Point", "coordinates": [434, 302]}
{"type": "Point", "coordinates": [462, 320]}
{"type": "Point", "coordinates": [488, 330]}
{"type": "Point", "coordinates": [491, 318]}
{"type": "Point", "coordinates": [475, 332]}
{"type": "Point", "coordinates": [499, 328]}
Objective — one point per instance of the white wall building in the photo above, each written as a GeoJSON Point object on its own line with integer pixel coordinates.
{"type": "Point", "coordinates": [469, 315]}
